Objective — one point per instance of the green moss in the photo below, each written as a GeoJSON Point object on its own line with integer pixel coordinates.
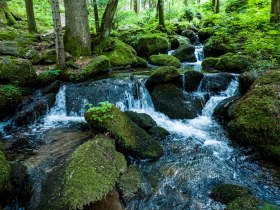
{"type": "Point", "coordinates": [209, 63]}
{"type": "Point", "coordinates": [164, 75]}
{"type": "Point", "coordinates": [100, 64]}
{"type": "Point", "coordinates": [151, 45]}
{"type": "Point", "coordinates": [17, 71]}
{"type": "Point", "coordinates": [164, 60]}
{"type": "Point", "coordinates": [7, 35]}
{"type": "Point", "coordinates": [141, 119]}
{"type": "Point", "coordinates": [121, 55]}
{"type": "Point", "coordinates": [141, 63]}
{"type": "Point", "coordinates": [271, 153]}
{"type": "Point", "coordinates": [121, 162]}
{"type": "Point", "coordinates": [10, 97]}
{"type": "Point", "coordinates": [5, 169]}
{"type": "Point", "coordinates": [244, 203]}
{"type": "Point", "coordinates": [130, 138]}
{"type": "Point", "coordinates": [49, 56]}
{"type": "Point", "coordinates": [92, 172]}
{"type": "Point", "coordinates": [130, 182]}
{"type": "Point", "coordinates": [75, 47]}
{"type": "Point", "coordinates": [217, 46]}
{"type": "Point", "coordinates": [158, 133]}
{"type": "Point", "coordinates": [49, 76]}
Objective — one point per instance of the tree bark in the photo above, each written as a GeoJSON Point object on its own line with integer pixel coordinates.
{"type": "Point", "coordinates": [216, 6]}
{"type": "Point", "coordinates": [108, 16]}
{"type": "Point", "coordinates": [96, 17]}
{"type": "Point", "coordinates": [136, 6]}
{"type": "Point", "coordinates": [59, 45]}
{"type": "Point", "coordinates": [161, 19]}
{"type": "Point", "coordinates": [32, 28]}
{"type": "Point", "coordinates": [275, 11]}
{"type": "Point", "coordinates": [6, 17]}
{"type": "Point", "coordinates": [77, 35]}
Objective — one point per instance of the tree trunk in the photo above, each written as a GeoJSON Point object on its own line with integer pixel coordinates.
{"type": "Point", "coordinates": [32, 28]}
{"type": "Point", "coordinates": [59, 45]}
{"type": "Point", "coordinates": [77, 35]}
{"type": "Point", "coordinates": [275, 11]}
{"type": "Point", "coordinates": [216, 6]}
{"type": "Point", "coordinates": [108, 16]}
{"type": "Point", "coordinates": [96, 17]}
{"type": "Point", "coordinates": [6, 17]}
{"type": "Point", "coordinates": [136, 6]}
{"type": "Point", "coordinates": [161, 19]}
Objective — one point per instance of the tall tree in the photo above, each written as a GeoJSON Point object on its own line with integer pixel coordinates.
{"type": "Point", "coordinates": [136, 9]}
{"type": "Point", "coordinates": [161, 20]}
{"type": "Point", "coordinates": [59, 45]}
{"type": "Point", "coordinates": [77, 35]}
{"type": "Point", "coordinates": [32, 28]}
{"type": "Point", "coordinates": [6, 16]}
{"type": "Point", "coordinates": [275, 11]}
{"type": "Point", "coordinates": [96, 16]}
{"type": "Point", "coordinates": [216, 6]}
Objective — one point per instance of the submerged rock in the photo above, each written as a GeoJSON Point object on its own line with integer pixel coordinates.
{"type": "Point", "coordinates": [164, 60]}
{"type": "Point", "coordinates": [192, 80]}
{"type": "Point", "coordinates": [130, 138]}
{"type": "Point", "coordinates": [173, 102]}
{"type": "Point", "coordinates": [149, 45]}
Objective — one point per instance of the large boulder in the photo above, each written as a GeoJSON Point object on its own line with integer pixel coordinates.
{"type": "Point", "coordinates": [10, 97]}
{"type": "Point", "coordinates": [5, 169]}
{"type": "Point", "coordinates": [17, 71]}
{"type": "Point", "coordinates": [92, 172]}
{"type": "Point", "coordinates": [246, 79]}
{"type": "Point", "coordinates": [217, 46]}
{"type": "Point", "coordinates": [130, 138]}
{"type": "Point", "coordinates": [255, 117]}
{"type": "Point", "coordinates": [12, 48]}
{"type": "Point", "coordinates": [173, 102]}
{"type": "Point", "coordinates": [234, 63]}
{"type": "Point", "coordinates": [149, 45]}
{"type": "Point", "coordinates": [192, 80]}
{"type": "Point", "coordinates": [164, 60]}
{"type": "Point", "coordinates": [189, 34]}
{"type": "Point", "coordinates": [209, 63]}
{"type": "Point", "coordinates": [215, 83]}
{"type": "Point", "coordinates": [163, 75]}
{"type": "Point", "coordinates": [185, 53]}
{"type": "Point", "coordinates": [99, 64]}
{"type": "Point", "coordinates": [205, 33]}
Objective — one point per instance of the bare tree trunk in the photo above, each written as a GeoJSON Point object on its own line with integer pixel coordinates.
{"type": "Point", "coordinates": [77, 35]}
{"type": "Point", "coordinates": [96, 17]}
{"type": "Point", "coordinates": [161, 19]}
{"type": "Point", "coordinates": [32, 28]}
{"type": "Point", "coordinates": [59, 45]}
{"type": "Point", "coordinates": [136, 6]}
{"type": "Point", "coordinates": [108, 16]}
{"type": "Point", "coordinates": [216, 6]}
{"type": "Point", "coordinates": [275, 11]}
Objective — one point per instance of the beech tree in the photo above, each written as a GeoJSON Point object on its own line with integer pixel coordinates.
{"type": "Point", "coordinates": [275, 11]}
{"type": "Point", "coordinates": [77, 35]}
{"type": "Point", "coordinates": [32, 28]}
{"type": "Point", "coordinates": [96, 16]}
{"type": "Point", "coordinates": [161, 20]}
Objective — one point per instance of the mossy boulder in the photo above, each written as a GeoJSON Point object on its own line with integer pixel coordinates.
{"type": "Point", "coordinates": [236, 6]}
{"type": "Point", "coordinates": [121, 54]}
{"type": "Point", "coordinates": [189, 34]}
{"type": "Point", "coordinates": [164, 60]}
{"type": "Point", "coordinates": [10, 97]}
{"type": "Point", "coordinates": [99, 64]}
{"type": "Point", "coordinates": [130, 138]}
{"type": "Point", "coordinates": [246, 79]}
{"type": "Point", "coordinates": [33, 55]}
{"type": "Point", "coordinates": [92, 172]}
{"type": "Point", "coordinates": [5, 169]}
{"type": "Point", "coordinates": [216, 46]}
{"type": "Point", "coordinates": [209, 63]}
{"type": "Point", "coordinates": [255, 117]}
{"type": "Point", "coordinates": [234, 63]}
{"type": "Point", "coordinates": [192, 80]}
{"type": "Point", "coordinates": [149, 45]}
{"type": "Point", "coordinates": [47, 77]}
{"type": "Point", "coordinates": [174, 43]}
{"type": "Point", "coordinates": [49, 56]}
{"type": "Point", "coordinates": [12, 48]}
{"type": "Point", "coordinates": [226, 193]}
{"type": "Point", "coordinates": [141, 63]}
{"type": "Point", "coordinates": [205, 33]}
{"type": "Point", "coordinates": [162, 75]}
{"type": "Point", "coordinates": [173, 102]}
{"type": "Point", "coordinates": [185, 53]}
{"type": "Point", "coordinates": [130, 183]}
{"type": "Point", "coordinates": [17, 71]}
{"type": "Point", "coordinates": [158, 133]}
{"type": "Point", "coordinates": [141, 119]}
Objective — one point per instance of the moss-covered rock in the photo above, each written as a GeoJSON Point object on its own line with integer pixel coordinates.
{"type": "Point", "coordinates": [255, 117]}
{"type": "Point", "coordinates": [33, 55]}
{"type": "Point", "coordinates": [236, 6]}
{"type": "Point", "coordinates": [5, 169]}
{"type": "Point", "coordinates": [47, 77]}
{"type": "Point", "coordinates": [130, 138]}
{"type": "Point", "coordinates": [158, 133]}
{"type": "Point", "coordinates": [234, 63]}
{"type": "Point", "coordinates": [121, 54]}
{"type": "Point", "coordinates": [130, 183]}
{"type": "Point", "coordinates": [100, 64]}
{"type": "Point", "coordinates": [141, 63]}
{"type": "Point", "coordinates": [164, 60]}
{"type": "Point", "coordinates": [17, 71]}
{"type": "Point", "coordinates": [151, 45]}
{"type": "Point", "coordinates": [215, 83]}
{"type": "Point", "coordinates": [205, 33]}
{"type": "Point", "coordinates": [209, 63]}
{"type": "Point", "coordinates": [163, 75]}
{"type": "Point", "coordinates": [173, 102]}
{"type": "Point", "coordinates": [174, 43]}
{"type": "Point", "coordinates": [190, 35]}
{"type": "Point", "coordinates": [192, 80]}
{"type": "Point", "coordinates": [10, 97]}
{"type": "Point", "coordinates": [246, 79]}
{"type": "Point", "coordinates": [92, 172]}
{"type": "Point", "coordinates": [12, 48]}
{"type": "Point", "coordinates": [49, 56]}
{"type": "Point", "coordinates": [217, 46]}
{"type": "Point", "coordinates": [141, 119]}
{"type": "Point", "coordinates": [185, 53]}
{"type": "Point", "coordinates": [226, 193]}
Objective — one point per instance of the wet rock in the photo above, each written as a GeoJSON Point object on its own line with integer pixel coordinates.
{"type": "Point", "coordinates": [164, 60]}
{"type": "Point", "coordinates": [192, 80]}
{"type": "Point", "coordinates": [5, 169]}
{"type": "Point", "coordinates": [47, 77]}
{"type": "Point", "coordinates": [171, 101]}
{"type": "Point", "coordinates": [52, 88]}
{"type": "Point", "coordinates": [17, 71]}
{"type": "Point", "coordinates": [141, 119]}
{"type": "Point", "coordinates": [100, 64]}
{"type": "Point", "coordinates": [209, 63]}
{"type": "Point", "coordinates": [158, 133]}
{"type": "Point", "coordinates": [246, 79]}
{"type": "Point", "coordinates": [189, 34]}
{"type": "Point", "coordinates": [185, 53]}
{"type": "Point", "coordinates": [149, 45]}
{"type": "Point", "coordinates": [216, 83]}
{"type": "Point", "coordinates": [130, 138]}
{"type": "Point", "coordinates": [174, 43]}
{"type": "Point", "coordinates": [10, 98]}
{"type": "Point", "coordinates": [226, 193]}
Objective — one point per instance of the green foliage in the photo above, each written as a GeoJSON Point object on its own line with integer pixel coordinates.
{"type": "Point", "coordinates": [49, 76]}
{"type": "Point", "coordinates": [101, 112]}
